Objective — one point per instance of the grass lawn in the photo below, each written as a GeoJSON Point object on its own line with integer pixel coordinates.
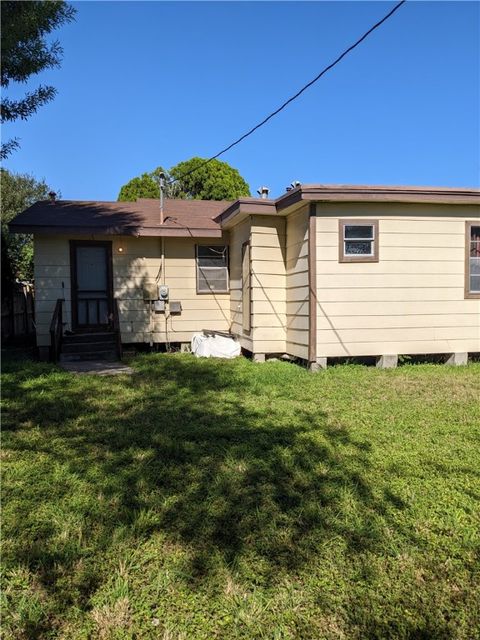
{"type": "Point", "coordinates": [202, 499]}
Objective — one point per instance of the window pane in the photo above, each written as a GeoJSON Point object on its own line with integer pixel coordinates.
{"type": "Point", "coordinates": [212, 268]}
{"type": "Point", "coordinates": [212, 256]}
{"type": "Point", "coordinates": [358, 231]}
{"type": "Point", "coordinates": [212, 279]}
{"type": "Point", "coordinates": [475, 284]}
{"type": "Point", "coordinates": [211, 262]}
{"type": "Point", "coordinates": [355, 248]}
{"type": "Point", "coordinates": [475, 248]}
{"type": "Point", "coordinates": [92, 268]}
{"type": "Point", "coordinates": [475, 275]}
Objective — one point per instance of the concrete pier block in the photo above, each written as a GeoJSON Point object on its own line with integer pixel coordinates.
{"type": "Point", "coordinates": [387, 361]}
{"type": "Point", "coordinates": [457, 359]}
{"type": "Point", "coordinates": [258, 357]}
{"type": "Point", "coordinates": [320, 363]}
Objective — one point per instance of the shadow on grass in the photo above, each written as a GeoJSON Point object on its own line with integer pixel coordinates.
{"type": "Point", "coordinates": [184, 448]}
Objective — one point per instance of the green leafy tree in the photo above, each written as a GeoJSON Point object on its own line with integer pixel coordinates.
{"type": "Point", "coordinates": [26, 52]}
{"type": "Point", "coordinates": [213, 181]}
{"type": "Point", "coordinates": [145, 186]}
{"type": "Point", "coordinates": [17, 193]}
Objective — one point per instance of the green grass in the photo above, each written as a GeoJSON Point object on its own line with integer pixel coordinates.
{"type": "Point", "coordinates": [224, 499]}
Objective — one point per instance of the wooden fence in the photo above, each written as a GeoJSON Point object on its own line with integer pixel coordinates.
{"type": "Point", "coordinates": [18, 313]}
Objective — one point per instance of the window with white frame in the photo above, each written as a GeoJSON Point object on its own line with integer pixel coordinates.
{"type": "Point", "coordinates": [358, 241]}
{"type": "Point", "coordinates": [212, 269]}
{"type": "Point", "coordinates": [472, 262]}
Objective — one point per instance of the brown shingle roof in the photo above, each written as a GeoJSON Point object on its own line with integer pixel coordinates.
{"type": "Point", "coordinates": [181, 218]}
{"type": "Point", "coordinates": [206, 217]}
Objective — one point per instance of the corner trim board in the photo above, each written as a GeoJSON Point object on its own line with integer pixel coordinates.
{"type": "Point", "coordinates": [312, 285]}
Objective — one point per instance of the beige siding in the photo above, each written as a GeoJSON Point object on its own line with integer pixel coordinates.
{"type": "Point", "coordinates": [412, 300]}
{"type": "Point", "coordinates": [268, 256]}
{"type": "Point", "coordinates": [52, 281]}
{"type": "Point", "coordinates": [137, 265]}
{"type": "Point", "coordinates": [268, 283]}
{"type": "Point", "coordinates": [238, 236]}
{"type": "Point", "coordinates": [297, 284]}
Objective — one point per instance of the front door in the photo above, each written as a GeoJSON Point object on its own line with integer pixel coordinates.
{"type": "Point", "coordinates": [91, 271]}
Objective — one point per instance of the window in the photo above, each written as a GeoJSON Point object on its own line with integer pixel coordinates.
{"type": "Point", "coordinates": [472, 261]}
{"type": "Point", "coordinates": [358, 240]}
{"type": "Point", "coordinates": [212, 269]}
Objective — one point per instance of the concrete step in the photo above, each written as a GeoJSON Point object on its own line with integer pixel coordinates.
{"type": "Point", "coordinates": [101, 336]}
{"type": "Point", "coordinates": [109, 355]}
{"type": "Point", "coordinates": [85, 347]}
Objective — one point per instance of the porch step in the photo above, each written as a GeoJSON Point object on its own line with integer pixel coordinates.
{"type": "Point", "coordinates": [100, 345]}
{"type": "Point", "coordinates": [101, 336]}
{"type": "Point", "coordinates": [83, 347]}
{"type": "Point", "coordinates": [109, 355]}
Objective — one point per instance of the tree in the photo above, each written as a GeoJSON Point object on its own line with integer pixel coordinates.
{"type": "Point", "coordinates": [145, 186]}
{"type": "Point", "coordinates": [26, 52]}
{"type": "Point", "coordinates": [213, 181]}
{"type": "Point", "coordinates": [17, 193]}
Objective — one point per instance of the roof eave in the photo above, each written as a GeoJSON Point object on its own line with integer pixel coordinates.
{"type": "Point", "coordinates": [245, 207]}
{"type": "Point", "coordinates": [409, 195]}
{"type": "Point", "coordinates": [100, 231]}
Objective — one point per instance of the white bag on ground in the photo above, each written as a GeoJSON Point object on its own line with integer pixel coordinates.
{"type": "Point", "coordinates": [214, 346]}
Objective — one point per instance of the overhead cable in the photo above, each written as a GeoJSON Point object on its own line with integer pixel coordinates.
{"type": "Point", "coordinates": [294, 97]}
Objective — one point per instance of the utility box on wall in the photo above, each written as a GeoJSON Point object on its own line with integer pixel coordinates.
{"type": "Point", "coordinates": [150, 291]}
{"type": "Point", "coordinates": [163, 292]}
{"type": "Point", "coordinates": [175, 307]}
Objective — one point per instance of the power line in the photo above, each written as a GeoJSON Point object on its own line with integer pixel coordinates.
{"type": "Point", "coordinates": [294, 97]}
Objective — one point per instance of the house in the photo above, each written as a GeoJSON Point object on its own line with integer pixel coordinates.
{"type": "Point", "coordinates": [320, 272]}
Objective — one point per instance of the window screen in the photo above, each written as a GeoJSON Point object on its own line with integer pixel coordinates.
{"type": "Point", "coordinates": [212, 269]}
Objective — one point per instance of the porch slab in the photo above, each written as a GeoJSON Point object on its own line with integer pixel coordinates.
{"type": "Point", "coordinates": [97, 367]}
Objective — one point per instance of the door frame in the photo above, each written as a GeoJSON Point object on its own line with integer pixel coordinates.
{"type": "Point", "coordinates": [74, 244]}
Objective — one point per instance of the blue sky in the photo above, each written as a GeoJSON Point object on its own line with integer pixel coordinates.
{"type": "Point", "coordinates": [144, 84]}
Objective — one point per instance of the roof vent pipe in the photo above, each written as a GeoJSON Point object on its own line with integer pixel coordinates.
{"type": "Point", "coordinates": [263, 192]}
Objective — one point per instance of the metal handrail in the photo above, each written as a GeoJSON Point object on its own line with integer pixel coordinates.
{"type": "Point", "coordinates": [116, 327]}
{"type": "Point", "coordinates": [56, 331]}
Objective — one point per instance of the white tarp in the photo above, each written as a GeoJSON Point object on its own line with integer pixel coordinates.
{"type": "Point", "coordinates": [215, 346]}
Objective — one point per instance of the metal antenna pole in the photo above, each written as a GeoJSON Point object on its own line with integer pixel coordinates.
{"type": "Point", "coordinates": [162, 187]}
